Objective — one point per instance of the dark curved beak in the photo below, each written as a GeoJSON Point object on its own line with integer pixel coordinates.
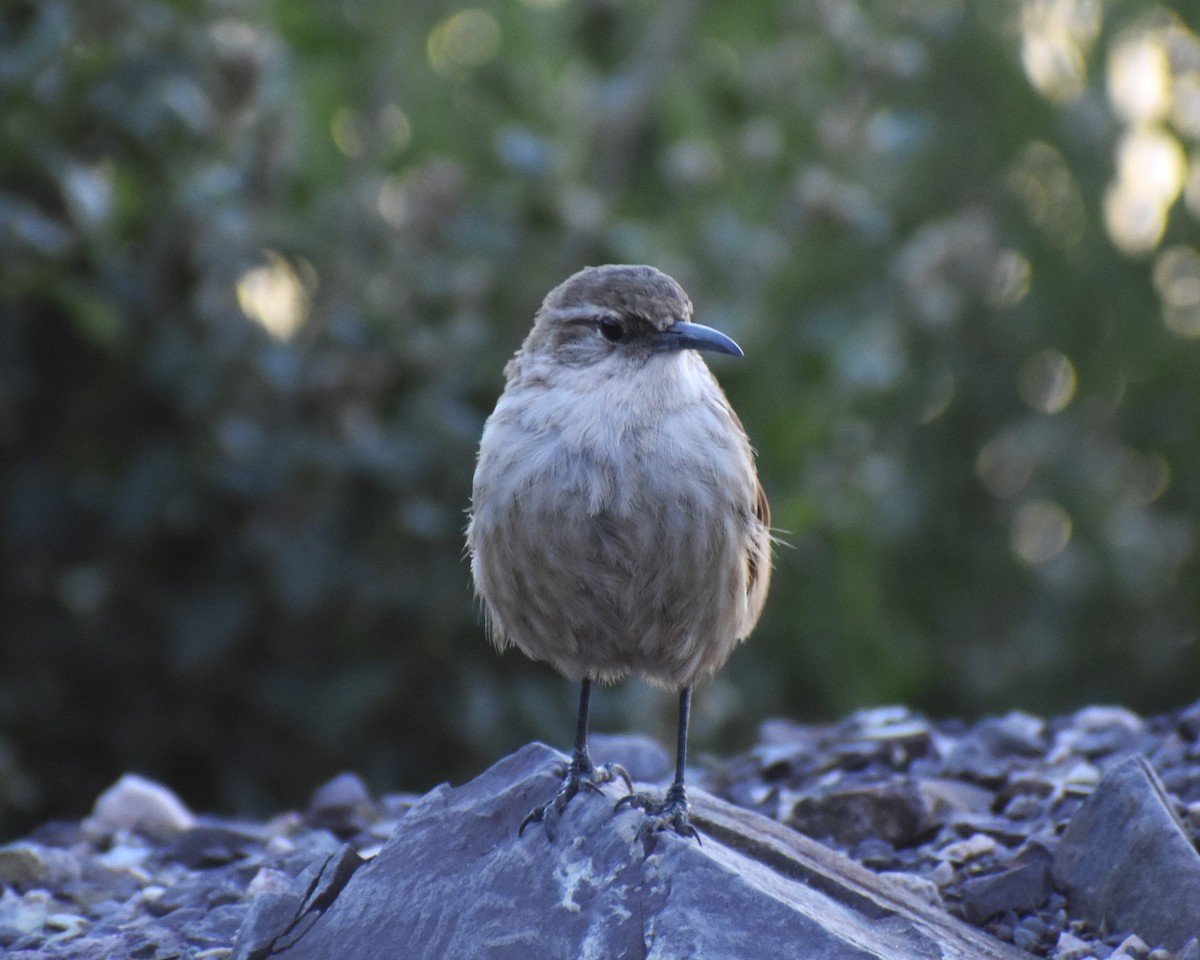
{"type": "Point", "coordinates": [683, 335]}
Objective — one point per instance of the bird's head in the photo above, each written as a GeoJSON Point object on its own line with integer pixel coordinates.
{"type": "Point", "coordinates": [622, 314]}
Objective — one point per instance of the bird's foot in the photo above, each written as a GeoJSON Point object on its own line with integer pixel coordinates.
{"type": "Point", "coordinates": [579, 774]}
{"type": "Point", "coordinates": [672, 812]}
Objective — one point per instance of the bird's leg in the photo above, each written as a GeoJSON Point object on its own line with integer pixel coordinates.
{"type": "Point", "coordinates": [673, 810]}
{"type": "Point", "coordinates": [580, 772]}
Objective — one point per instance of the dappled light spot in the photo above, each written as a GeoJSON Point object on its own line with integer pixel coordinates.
{"type": "Point", "coordinates": [1049, 193]}
{"type": "Point", "coordinates": [1151, 161]}
{"type": "Point", "coordinates": [1011, 278]}
{"type": "Point", "coordinates": [1041, 530]}
{"type": "Point", "coordinates": [1139, 79]}
{"type": "Point", "coordinates": [345, 126]}
{"type": "Point", "coordinates": [1046, 381]}
{"type": "Point", "coordinates": [1055, 38]}
{"type": "Point", "coordinates": [396, 128]}
{"type": "Point", "coordinates": [1150, 477]}
{"type": "Point", "coordinates": [1177, 279]}
{"type": "Point", "coordinates": [274, 296]}
{"type": "Point", "coordinates": [1150, 171]}
{"type": "Point", "coordinates": [90, 193]}
{"type": "Point", "coordinates": [392, 201]}
{"type": "Point", "coordinates": [1005, 466]}
{"type": "Point", "coordinates": [463, 41]}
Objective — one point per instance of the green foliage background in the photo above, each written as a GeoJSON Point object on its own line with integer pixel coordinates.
{"type": "Point", "coordinates": [231, 558]}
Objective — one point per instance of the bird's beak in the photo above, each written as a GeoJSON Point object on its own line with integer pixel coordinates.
{"type": "Point", "coordinates": [683, 335]}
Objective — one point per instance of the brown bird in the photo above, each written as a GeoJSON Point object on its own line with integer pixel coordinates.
{"type": "Point", "coordinates": [617, 523]}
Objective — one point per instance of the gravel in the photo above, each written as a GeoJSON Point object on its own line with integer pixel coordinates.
{"type": "Point", "coordinates": [1070, 838]}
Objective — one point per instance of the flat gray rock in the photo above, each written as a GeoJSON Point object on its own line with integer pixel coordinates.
{"type": "Point", "coordinates": [1126, 862]}
{"type": "Point", "coordinates": [456, 881]}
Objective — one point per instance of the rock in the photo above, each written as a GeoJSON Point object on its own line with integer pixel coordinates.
{"type": "Point", "coordinates": [1122, 835]}
{"type": "Point", "coordinates": [137, 805]}
{"type": "Point", "coordinates": [456, 880]}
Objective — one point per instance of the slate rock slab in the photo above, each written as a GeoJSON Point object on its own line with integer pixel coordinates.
{"type": "Point", "coordinates": [456, 881]}
{"type": "Point", "coordinates": [1126, 862]}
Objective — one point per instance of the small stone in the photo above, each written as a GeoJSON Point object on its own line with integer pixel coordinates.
{"type": "Point", "coordinates": [26, 865]}
{"type": "Point", "coordinates": [216, 926]}
{"type": "Point", "coordinates": [342, 805]}
{"type": "Point", "coordinates": [1025, 938]}
{"type": "Point", "coordinates": [924, 888]}
{"type": "Point", "coordinates": [1070, 947]}
{"type": "Point", "coordinates": [975, 846]}
{"type": "Point", "coordinates": [984, 753]}
{"type": "Point", "coordinates": [21, 915]}
{"type": "Point", "coordinates": [892, 811]}
{"type": "Point", "coordinates": [137, 805]}
{"type": "Point", "coordinates": [1134, 946]}
{"type": "Point", "coordinates": [268, 880]}
{"type": "Point", "coordinates": [1035, 925]}
{"type": "Point", "coordinates": [644, 759]}
{"type": "Point", "coordinates": [946, 799]}
{"type": "Point", "coordinates": [942, 874]}
{"type": "Point", "coordinates": [1019, 888]}
{"type": "Point", "coordinates": [58, 833]}
{"type": "Point", "coordinates": [125, 857]}
{"type": "Point", "coordinates": [1189, 721]}
{"type": "Point", "coordinates": [892, 734]}
{"type": "Point", "coordinates": [208, 846]}
{"type": "Point", "coordinates": [875, 853]}
{"type": "Point", "coordinates": [1098, 731]}
{"type": "Point", "coordinates": [1024, 806]}
{"type": "Point", "coordinates": [68, 925]}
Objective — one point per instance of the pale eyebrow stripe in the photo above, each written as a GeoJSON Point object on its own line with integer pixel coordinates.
{"type": "Point", "coordinates": [586, 312]}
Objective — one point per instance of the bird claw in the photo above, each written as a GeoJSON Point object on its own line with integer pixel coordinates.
{"type": "Point", "coordinates": [577, 776]}
{"type": "Point", "coordinates": [671, 813]}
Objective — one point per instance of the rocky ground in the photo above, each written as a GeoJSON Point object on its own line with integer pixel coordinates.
{"type": "Point", "coordinates": [1071, 838]}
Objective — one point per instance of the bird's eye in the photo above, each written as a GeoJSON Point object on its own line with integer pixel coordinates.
{"type": "Point", "coordinates": [611, 329]}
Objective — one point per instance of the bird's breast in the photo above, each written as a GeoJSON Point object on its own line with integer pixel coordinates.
{"type": "Point", "coordinates": [619, 448]}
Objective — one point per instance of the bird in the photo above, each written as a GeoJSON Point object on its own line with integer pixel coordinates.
{"type": "Point", "coordinates": [617, 525]}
